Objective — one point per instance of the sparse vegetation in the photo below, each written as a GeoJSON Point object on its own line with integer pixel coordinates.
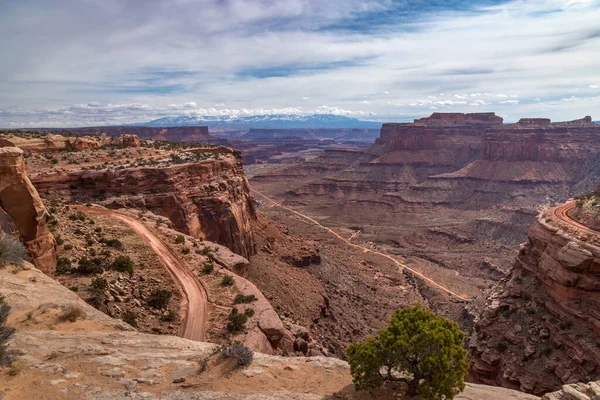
{"type": "Point", "coordinates": [237, 321]}
{"type": "Point", "coordinates": [227, 280]}
{"type": "Point", "coordinates": [208, 268]}
{"type": "Point", "coordinates": [12, 250]}
{"type": "Point", "coordinates": [180, 239]}
{"type": "Point", "coordinates": [63, 265]}
{"type": "Point", "coordinates": [159, 298]}
{"type": "Point", "coordinates": [237, 350]}
{"type": "Point", "coordinates": [168, 317]}
{"type": "Point", "coordinates": [70, 313]}
{"type": "Point", "coordinates": [114, 243]}
{"type": "Point", "coordinates": [419, 348]}
{"type": "Point", "coordinates": [249, 312]}
{"type": "Point", "coordinates": [241, 299]}
{"type": "Point", "coordinates": [5, 333]}
{"type": "Point", "coordinates": [130, 318]}
{"type": "Point", "coordinates": [123, 264]}
{"type": "Point", "coordinates": [98, 285]}
{"type": "Point", "coordinates": [501, 347]}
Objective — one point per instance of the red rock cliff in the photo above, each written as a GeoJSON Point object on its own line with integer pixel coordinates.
{"type": "Point", "coordinates": [541, 325]}
{"type": "Point", "coordinates": [209, 198]}
{"type": "Point", "coordinates": [21, 202]}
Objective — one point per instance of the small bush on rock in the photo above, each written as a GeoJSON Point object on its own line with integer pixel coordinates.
{"type": "Point", "coordinates": [5, 333]}
{"type": "Point", "coordinates": [241, 353]}
{"type": "Point", "coordinates": [70, 313]}
{"type": "Point", "coordinates": [180, 239]}
{"type": "Point", "coordinates": [123, 264]}
{"type": "Point", "coordinates": [227, 280]}
{"type": "Point", "coordinates": [241, 299]}
{"type": "Point", "coordinates": [208, 268]}
{"type": "Point", "coordinates": [159, 298]}
{"type": "Point", "coordinates": [130, 318]}
{"type": "Point", "coordinates": [237, 321]}
{"type": "Point", "coordinates": [12, 250]}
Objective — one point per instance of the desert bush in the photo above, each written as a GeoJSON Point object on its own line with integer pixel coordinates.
{"type": "Point", "coordinates": [123, 264]}
{"type": "Point", "coordinates": [419, 348]}
{"type": "Point", "coordinates": [501, 347]}
{"type": "Point", "coordinates": [98, 285]}
{"type": "Point", "coordinates": [168, 317]}
{"type": "Point", "coordinates": [242, 354]}
{"type": "Point", "coordinates": [5, 333]}
{"type": "Point", "coordinates": [241, 299]}
{"type": "Point", "coordinates": [227, 280]}
{"type": "Point", "coordinates": [249, 312]}
{"type": "Point", "coordinates": [70, 313]}
{"type": "Point", "coordinates": [186, 250]}
{"type": "Point", "coordinates": [180, 239]}
{"type": "Point", "coordinates": [68, 247]}
{"type": "Point", "coordinates": [12, 250]}
{"type": "Point", "coordinates": [114, 243]}
{"type": "Point", "coordinates": [206, 251]}
{"type": "Point", "coordinates": [208, 268]}
{"type": "Point", "coordinates": [86, 266]}
{"type": "Point", "coordinates": [59, 241]}
{"type": "Point", "coordinates": [130, 318]}
{"type": "Point", "coordinates": [159, 298]}
{"type": "Point", "coordinates": [63, 265]}
{"type": "Point", "coordinates": [236, 321]}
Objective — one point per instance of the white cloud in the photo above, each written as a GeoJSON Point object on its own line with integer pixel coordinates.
{"type": "Point", "coordinates": [508, 102]}
{"type": "Point", "coordinates": [128, 63]}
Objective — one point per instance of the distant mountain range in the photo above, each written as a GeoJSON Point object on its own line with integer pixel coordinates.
{"type": "Point", "coordinates": [283, 121]}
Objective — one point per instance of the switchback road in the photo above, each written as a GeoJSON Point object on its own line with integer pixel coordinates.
{"type": "Point", "coordinates": [196, 312]}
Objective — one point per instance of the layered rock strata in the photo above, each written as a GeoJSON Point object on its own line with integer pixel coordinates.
{"type": "Point", "coordinates": [21, 203]}
{"type": "Point", "coordinates": [209, 199]}
{"type": "Point", "coordinates": [540, 328]}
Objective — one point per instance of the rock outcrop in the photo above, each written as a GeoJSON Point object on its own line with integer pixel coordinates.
{"type": "Point", "coordinates": [101, 358]}
{"type": "Point", "coordinates": [124, 141]}
{"type": "Point", "coordinates": [540, 328]}
{"type": "Point", "coordinates": [209, 198]}
{"type": "Point", "coordinates": [176, 134]}
{"type": "Point", "coordinates": [20, 201]}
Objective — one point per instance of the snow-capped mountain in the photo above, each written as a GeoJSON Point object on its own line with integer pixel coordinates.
{"type": "Point", "coordinates": [266, 121]}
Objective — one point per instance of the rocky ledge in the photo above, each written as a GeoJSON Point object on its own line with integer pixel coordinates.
{"type": "Point", "coordinates": [541, 327]}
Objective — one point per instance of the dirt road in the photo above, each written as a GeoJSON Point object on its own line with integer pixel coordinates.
{"type": "Point", "coordinates": [429, 281]}
{"type": "Point", "coordinates": [196, 312]}
{"type": "Point", "coordinates": [560, 212]}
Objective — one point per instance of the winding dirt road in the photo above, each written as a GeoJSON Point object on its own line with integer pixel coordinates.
{"type": "Point", "coordinates": [561, 212]}
{"type": "Point", "coordinates": [365, 249]}
{"type": "Point", "coordinates": [196, 312]}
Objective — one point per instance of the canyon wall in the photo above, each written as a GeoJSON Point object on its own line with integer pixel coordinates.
{"type": "Point", "coordinates": [209, 199]}
{"type": "Point", "coordinates": [540, 328]}
{"type": "Point", "coordinates": [22, 208]}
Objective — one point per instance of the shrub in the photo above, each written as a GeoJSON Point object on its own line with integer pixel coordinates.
{"type": "Point", "coordinates": [98, 285]}
{"type": "Point", "coordinates": [78, 232]}
{"type": "Point", "coordinates": [123, 264]}
{"type": "Point", "coordinates": [237, 321]}
{"type": "Point", "coordinates": [186, 250]}
{"type": "Point", "coordinates": [249, 312]}
{"type": "Point", "coordinates": [180, 239]}
{"type": "Point", "coordinates": [501, 347]}
{"type": "Point", "coordinates": [70, 313]}
{"type": "Point", "coordinates": [208, 268]}
{"type": "Point", "coordinates": [418, 348]}
{"type": "Point", "coordinates": [159, 298]}
{"type": "Point", "coordinates": [227, 280]}
{"type": "Point", "coordinates": [241, 353]}
{"type": "Point", "coordinates": [68, 247]}
{"type": "Point", "coordinates": [114, 243]}
{"type": "Point", "coordinates": [5, 333]}
{"type": "Point", "coordinates": [130, 318]}
{"type": "Point", "coordinates": [63, 266]}
{"type": "Point", "coordinates": [206, 251]}
{"type": "Point", "coordinates": [59, 241]}
{"type": "Point", "coordinates": [12, 250]}
{"type": "Point", "coordinates": [241, 299]}
{"type": "Point", "coordinates": [168, 317]}
{"type": "Point", "coordinates": [86, 266]}
{"type": "Point", "coordinates": [98, 230]}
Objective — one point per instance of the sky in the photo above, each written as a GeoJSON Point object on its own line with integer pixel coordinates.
{"type": "Point", "coordinates": [95, 62]}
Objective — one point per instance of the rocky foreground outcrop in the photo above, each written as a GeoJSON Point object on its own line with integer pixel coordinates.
{"type": "Point", "coordinates": [20, 202]}
{"type": "Point", "coordinates": [97, 357]}
{"type": "Point", "coordinates": [541, 326]}
{"type": "Point", "coordinates": [45, 142]}
{"type": "Point", "coordinates": [209, 198]}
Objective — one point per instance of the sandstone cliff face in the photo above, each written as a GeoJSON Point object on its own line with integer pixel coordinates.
{"type": "Point", "coordinates": [20, 202]}
{"type": "Point", "coordinates": [209, 199]}
{"type": "Point", "coordinates": [541, 326]}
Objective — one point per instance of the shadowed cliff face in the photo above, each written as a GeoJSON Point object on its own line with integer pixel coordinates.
{"type": "Point", "coordinates": [208, 199]}
{"type": "Point", "coordinates": [20, 202]}
{"type": "Point", "coordinates": [540, 328]}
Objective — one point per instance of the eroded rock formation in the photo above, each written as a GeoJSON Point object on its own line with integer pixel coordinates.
{"type": "Point", "coordinates": [20, 201]}
{"type": "Point", "coordinates": [540, 328]}
{"type": "Point", "coordinates": [209, 199]}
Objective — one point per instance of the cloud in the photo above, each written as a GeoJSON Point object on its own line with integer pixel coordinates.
{"type": "Point", "coordinates": [508, 102]}
{"type": "Point", "coordinates": [126, 62]}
